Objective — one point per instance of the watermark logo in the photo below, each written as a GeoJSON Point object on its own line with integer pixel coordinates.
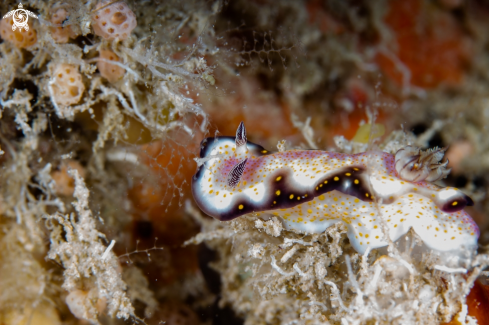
{"type": "Point", "coordinates": [20, 17]}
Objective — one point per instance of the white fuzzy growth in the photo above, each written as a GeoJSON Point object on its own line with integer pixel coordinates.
{"type": "Point", "coordinates": [272, 227]}
{"type": "Point", "coordinates": [335, 295]}
{"type": "Point", "coordinates": [299, 271]}
{"type": "Point", "coordinates": [135, 110]}
{"type": "Point", "coordinates": [306, 129]}
{"type": "Point", "coordinates": [82, 256]}
{"type": "Point", "coordinates": [123, 155]}
{"type": "Point", "coordinates": [109, 248]}
{"type": "Point", "coordinates": [289, 254]}
{"type": "Point", "coordinates": [281, 146]}
{"type": "Point", "coordinates": [289, 241]}
{"type": "Point", "coordinates": [278, 269]}
{"type": "Point", "coordinates": [257, 251]}
{"type": "Point", "coordinates": [450, 269]}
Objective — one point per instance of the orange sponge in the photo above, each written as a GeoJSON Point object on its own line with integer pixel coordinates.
{"type": "Point", "coordinates": [113, 20]}
{"type": "Point", "coordinates": [109, 71]}
{"type": "Point", "coordinates": [68, 85]}
{"type": "Point", "coordinates": [61, 34]}
{"type": "Point", "coordinates": [20, 37]}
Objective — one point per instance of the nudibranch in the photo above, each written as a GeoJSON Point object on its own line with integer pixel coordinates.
{"type": "Point", "coordinates": [310, 190]}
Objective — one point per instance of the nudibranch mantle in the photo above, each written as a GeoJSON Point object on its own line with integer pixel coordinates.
{"type": "Point", "coordinates": [312, 190]}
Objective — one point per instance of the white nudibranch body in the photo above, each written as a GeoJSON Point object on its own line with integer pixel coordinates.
{"type": "Point", "coordinates": [310, 190]}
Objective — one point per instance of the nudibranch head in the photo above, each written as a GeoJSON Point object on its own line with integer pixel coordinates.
{"type": "Point", "coordinates": [310, 190]}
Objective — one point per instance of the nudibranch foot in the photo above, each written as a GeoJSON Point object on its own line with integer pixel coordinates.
{"type": "Point", "coordinates": [364, 220]}
{"type": "Point", "coordinates": [310, 190]}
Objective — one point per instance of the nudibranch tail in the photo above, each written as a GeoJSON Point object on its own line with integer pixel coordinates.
{"type": "Point", "coordinates": [312, 190]}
